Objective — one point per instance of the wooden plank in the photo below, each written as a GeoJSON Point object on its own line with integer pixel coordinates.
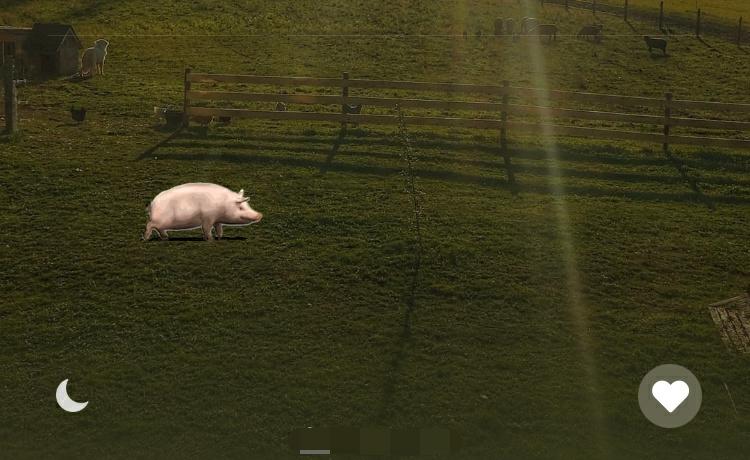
{"type": "Point", "coordinates": [710, 142]}
{"type": "Point", "coordinates": [557, 95]}
{"type": "Point", "coordinates": [428, 86]}
{"type": "Point", "coordinates": [738, 300]}
{"type": "Point", "coordinates": [513, 109]}
{"type": "Point", "coordinates": [586, 114]}
{"type": "Point", "coordinates": [710, 124]}
{"type": "Point", "coordinates": [578, 131]}
{"type": "Point", "coordinates": [469, 88]}
{"type": "Point", "coordinates": [11, 99]}
{"type": "Point", "coordinates": [710, 106]}
{"type": "Point", "coordinates": [266, 97]}
{"type": "Point", "coordinates": [514, 91]}
{"type": "Point", "coordinates": [427, 104]}
{"type": "Point", "coordinates": [386, 102]}
{"type": "Point", "coordinates": [265, 80]}
{"type": "Point", "coordinates": [345, 118]}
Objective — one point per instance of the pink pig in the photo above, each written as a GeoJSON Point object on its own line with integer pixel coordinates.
{"type": "Point", "coordinates": [198, 205]}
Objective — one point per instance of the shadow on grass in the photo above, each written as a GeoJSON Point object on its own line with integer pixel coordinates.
{"type": "Point", "coordinates": [196, 239]}
{"type": "Point", "coordinates": [234, 150]}
{"type": "Point", "coordinates": [566, 155]}
{"type": "Point", "coordinates": [682, 169]}
{"type": "Point", "coordinates": [708, 45]}
{"type": "Point", "coordinates": [455, 177]}
{"type": "Point", "coordinates": [335, 149]}
{"type": "Point", "coordinates": [404, 339]}
{"type": "Point", "coordinates": [607, 153]}
{"type": "Point", "coordinates": [149, 151]}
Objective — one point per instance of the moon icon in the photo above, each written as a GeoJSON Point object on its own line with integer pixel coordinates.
{"type": "Point", "coordinates": [64, 401]}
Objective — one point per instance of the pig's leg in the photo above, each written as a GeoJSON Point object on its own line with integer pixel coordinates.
{"type": "Point", "coordinates": [219, 230]}
{"type": "Point", "coordinates": [207, 231]}
{"type": "Point", "coordinates": [162, 234]}
{"type": "Point", "coordinates": [149, 229]}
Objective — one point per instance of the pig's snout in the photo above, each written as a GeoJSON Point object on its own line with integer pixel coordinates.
{"type": "Point", "coordinates": [258, 219]}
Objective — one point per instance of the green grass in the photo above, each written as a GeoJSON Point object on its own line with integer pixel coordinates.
{"type": "Point", "coordinates": [206, 350]}
{"type": "Point", "coordinates": [729, 10]}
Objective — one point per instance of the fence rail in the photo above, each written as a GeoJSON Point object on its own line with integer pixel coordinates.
{"type": "Point", "coordinates": [495, 90]}
{"type": "Point", "coordinates": [544, 116]}
{"type": "Point", "coordinates": [512, 109]}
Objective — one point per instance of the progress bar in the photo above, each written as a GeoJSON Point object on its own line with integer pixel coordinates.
{"type": "Point", "coordinates": [379, 441]}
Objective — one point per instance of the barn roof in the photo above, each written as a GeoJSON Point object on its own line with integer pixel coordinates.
{"type": "Point", "coordinates": [48, 37]}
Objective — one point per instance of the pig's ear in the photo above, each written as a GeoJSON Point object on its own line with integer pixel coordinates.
{"type": "Point", "coordinates": [242, 192]}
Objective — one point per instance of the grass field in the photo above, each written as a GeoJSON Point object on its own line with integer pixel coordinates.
{"type": "Point", "coordinates": [535, 314]}
{"type": "Point", "coordinates": [730, 10]}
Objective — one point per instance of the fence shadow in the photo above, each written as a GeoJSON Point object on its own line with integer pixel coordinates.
{"type": "Point", "coordinates": [708, 45]}
{"type": "Point", "coordinates": [233, 151]}
{"type": "Point", "coordinates": [451, 176]}
{"type": "Point", "coordinates": [599, 154]}
{"type": "Point", "coordinates": [389, 386]}
{"type": "Point", "coordinates": [150, 151]}
{"type": "Point", "coordinates": [682, 169]}
{"type": "Point", "coordinates": [402, 343]}
{"type": "Point", "coordinates": [335, 149]}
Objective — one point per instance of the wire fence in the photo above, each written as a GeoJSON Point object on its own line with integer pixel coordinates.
{"type": "Point", "coordinates": [698, 22]}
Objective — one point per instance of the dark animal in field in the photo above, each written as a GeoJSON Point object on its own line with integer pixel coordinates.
{"type": "Point", "coordinates": [550, 30]}
{"type": "Point", "coordinates": [173, 117]}
{"type": "Point", "coordinates": [78, 114]}
{"type": "Point", "coordinates": [280, 107]}
{"type": "Point", "coordinates": [353, 109]}
{"type": "Point", "coordinates": [591, 31]}
{"type": "Point", "coordinates": [203, 120]}
{"type": "Point", "coordinates": [658, 43]}
{"type": "Point", "coordinates": [499, 26]}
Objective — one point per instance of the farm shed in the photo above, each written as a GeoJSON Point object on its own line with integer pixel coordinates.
{"type": "Point", "coordinates": [44, 49]}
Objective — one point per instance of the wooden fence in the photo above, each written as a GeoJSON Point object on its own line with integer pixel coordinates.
{"type": "Point", "coordinates": [498, 114]}
{"type": "Point", "coordinates": [10, 98]}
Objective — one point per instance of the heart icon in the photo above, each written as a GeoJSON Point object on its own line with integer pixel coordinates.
{"type": "Point", "coordinates": [670, 395]}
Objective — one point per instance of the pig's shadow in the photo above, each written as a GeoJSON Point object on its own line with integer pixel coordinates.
{"type": "Point", "coordinates": [197, 239]}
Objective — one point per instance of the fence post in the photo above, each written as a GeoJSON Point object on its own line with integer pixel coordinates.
{"type": "Point", "coordinates": [344, 96]}
{"type": "Point", "coordinates": [667, 115]}
{"type": "Point", "coordinates": [626, 11]}
{"type": "Point", "coordinates": [11, 100]}
{"type": "Point", "coordinates": [186, 101]}
{"type": "Point", "coordinates": [739, 33]}
{"type": "Point", "coordinates": [504, 134]}
{"type": "Point", "coordinates": [661, 15]}
{"type": "Point", "coordinates": [593, 6]}
{"type": "Point", "coordinates": [698, 24]}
